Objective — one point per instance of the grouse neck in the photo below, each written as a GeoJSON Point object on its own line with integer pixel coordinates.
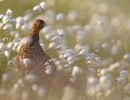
{"type": "Point", "coordinates": [35, 35]}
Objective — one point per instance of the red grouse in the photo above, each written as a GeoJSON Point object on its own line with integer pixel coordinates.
{"type": "Point", "coordinates": [37, 60]}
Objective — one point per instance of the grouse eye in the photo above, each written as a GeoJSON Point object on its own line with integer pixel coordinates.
{"type": "Point", "coordinates": [38, 22]}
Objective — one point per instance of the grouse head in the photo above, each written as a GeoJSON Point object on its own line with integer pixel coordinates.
{"type": "Point", "coordinates": [38, 25]}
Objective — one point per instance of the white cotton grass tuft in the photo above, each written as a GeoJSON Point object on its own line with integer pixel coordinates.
{"type": "Point", "coordinates": [43, 5]}
{"type": "Point", "coordinates": [72, 16]}
{"type": "Point", "coordinates": [70, 60]}
{"type": "Point", "coordinates": [13, 22]}
{"type": "Point", "coordinates": [84, 52]}
{"type": "Point", "coordinates": [5, 39]}
{"type": "Point", "coordinates": [49, 36]}
{"type": "Point", "coordinates": [67, 68]}
{"type": "Point", "coordinates": [2, 46]}
{"type": "Point", "coordinates": [114, 67]}
{"type": "Point", "coordinates": [53, 60]}
{"type": "Point", "coordinates": [5, 76]}
{"type": "Point", "coordinates": [41, 91]}
{"type": "Point", "coordinates": [37, 9]}
{"type": "Point", "coordinates": [20, 81]}
{"type": "Point", "coordinates": [1, 16]}
{"type": "Point", "coordinates": [60, 17]}
{"type": "Point", "coordinates": [106, 82]}
{"type": "Point", "coordinates": [26, 61]}
{"type": "Point", "coordinates": [9, 45]}
{"type": "Point", "coordinates": [46, 29]}
{"type": "Point", "coordinates": [91, 70]}
{"type": "Point", "coordinates": [57, 39]}
{"type": "Point", "coordinates": [52, 45]}
{"type": "Point", "coordinates": [9, 12]}
{"type": "Point", "coordinates": [28, 17]}
{"type": "Point", "coordinates": [34, 87]}
{"type": "Point", "coordinates": [66, 55]}
{"type": "Point", "coordinates": [26, 40]}
{"type": "Point", "coordinates": [25, 27]}
{"type": "Point", "coordinates": [76, 71]}
{"type": "Point", "coordinates": [6, 19]}
{"type": "Point", "coordinates": [20, 20]}
{"type": "Point", "coordinates": [103, 71]}
{"type": "Point", "coordinates": [1, 25]}
{"type": "Point", "coordinates": [7, 53]}
{"type": "Point", "coordinates": [18, 26]}
{"type": "Point", "coordinates": [124, 73]}
{"type": "Point", "coordinates": [68, 93]}
{"type": "Point", "coordinates": [49, 69]}
{"type": "Point", "coordinates": [126, 57]}
{"type": "Point", "coordinates": [61, 32]}
{"type": "Point", "coordinates": [31, 78]}
{"type": "Point", "coordinates": [25, 95]}
{"type": "Point", "coordinates": [73, 79]}
{"type": "Point", "coordinates": [121, 81]}
{"type": "Point", "coordinates": [8, 28]}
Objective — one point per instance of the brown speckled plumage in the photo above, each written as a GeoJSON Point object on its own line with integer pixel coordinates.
{"type": "Point", "coordinates": [33, 50]}
{"type": "Point", "coordinates": [35, 53]}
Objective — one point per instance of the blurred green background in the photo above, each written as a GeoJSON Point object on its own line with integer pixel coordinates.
{"type": "Point", "coordinates": [20, 6]}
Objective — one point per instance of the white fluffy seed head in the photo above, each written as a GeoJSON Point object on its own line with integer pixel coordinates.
{"type": "Point", "coordinates": [127, 57]}
{"type": "Point", "coordinates": [67, 55]}
{"type": "Point", "coordinates": [26, 61]}
{"type": "Point", "coordinates": [6, 19]}
{"type": "Point", "coordinates": [91, 70]}
{"type": "Point", "coordinates": [49, 36]}
{"type": "Point", "coordinates": [124, 73]}
{"type": "Point", "coordinates": [60, 17]}
{"type": "Point", "coordinates": [7, 53]}
{"type": "Point", "coordinates": [114, 67]}
{"type": "Point", "coordinates": [9, 12]}
{"type": "Point", "coordinates": [46, 29]}
{"type": "Point", "coordinates": [92, 80]}
{"type": "Point", "coordinates": [75, 71]}
{"type": "Point", "coordinates": [13, 22]}
{"type": "Point", "coordinates": [9, 45]}
{"type": "Point", "coordinates": [84, 52]}
{"type": "Point", "coordinates": [1, 25]}
{"type": "Point", "coordinates": [2, 47]}
{"type": "Point", "coordinates": [41, 92]}
{"type": "Point", "coordinates": [53, 60]}
{"type": "Point", "coordinates": [106, 82]}
{"type": "Point", "coordinates": [8, 28]}
{"type": "Point", "coordinates": [31, 78]}
{"type": "Point", "coordinates": [57, 39]}
{"type": "Point", "coordinates": [20, 81]}
{"type": "Point", "coordinates": [26, 40]}
{"type": "Point", "coordinates": [48, 71]}
{"type": "Point", "coordinates": [121, 81]}
{"type": "Point", "coordinates": [5, 76]}
{"type": "Point", "coordinates": [52, 45]}
{"type": "Point", "coordinates": [1, 16]}
{"type": "Point", "coordinates": [18, 26]}
{"type": "Point", "coordinates": [20, 20]}
{"type": "Point", "coordinates": [73, 79]}
{"type": "Point", "coordinates": [25, 95]}
{"type": "Point", "coordinates": [70, 60]}
{"type": "Point", "coordinates": [49, 66]}
{"type": "Point", "coordinates": [28, 17]}
{"type": "Point", "coordinates": [61, 32]}
{"type": "Point", "coordinates": [43, 5]}
{"type": "Point", "coordinates": [25, 27]}
{"type": "Point", "coordinates": [103, 71]}
{"type": "Point", "coordinates": [34, 87]}
{"type": "Point", "coordinates": [37, 9]}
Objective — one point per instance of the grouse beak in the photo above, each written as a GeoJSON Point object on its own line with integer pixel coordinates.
{"type": "Point", "coordinates": [44, 24]}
